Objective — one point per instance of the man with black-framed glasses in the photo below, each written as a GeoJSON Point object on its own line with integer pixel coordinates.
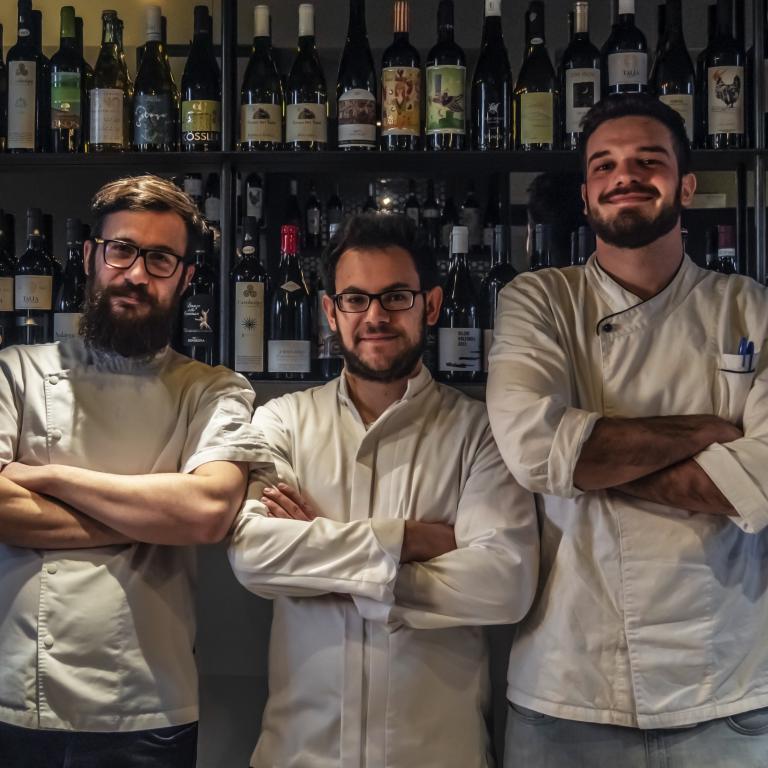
{"type": "Point", "coordinates": [387, 530]}
{"type": "Point", "coordinates": [118, 454]}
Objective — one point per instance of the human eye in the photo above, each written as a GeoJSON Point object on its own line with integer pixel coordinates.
{"type": "Point", "coordinates": [397, 299]}
{"type": "Point", "coordinates": [161, 259]}
{"type": "Point", "coordinates": [354, 300]}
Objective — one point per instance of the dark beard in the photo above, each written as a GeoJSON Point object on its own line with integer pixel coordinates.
{"type": "Point", "coordinates": [125, 335]}
{"type": "Point", "coordinates": [632, 230]}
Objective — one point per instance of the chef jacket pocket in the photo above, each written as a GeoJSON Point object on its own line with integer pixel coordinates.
{"type": "Point", "coordinates": [735, 377]}
{"type": "Point", "coordinates": [529, 716]}
{"type": "Point", "coordinates": [752, 723]}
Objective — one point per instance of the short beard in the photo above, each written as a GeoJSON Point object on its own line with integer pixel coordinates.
{"type": "Point", "coordinates": [402, 366]}
{"type": "Point", "coordinates": [632, 230]}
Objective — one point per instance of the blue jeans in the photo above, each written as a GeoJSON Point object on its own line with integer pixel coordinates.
{"type": "Point", "coordinates": [534, 740]}
{"type": "Point", "coordinates": [174, 747]}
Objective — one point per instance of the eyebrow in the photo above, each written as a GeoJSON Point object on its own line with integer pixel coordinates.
{"type": "Point", "coordinates": [390, 287]}
{"type": "Point", "coordinates": [655, 148]}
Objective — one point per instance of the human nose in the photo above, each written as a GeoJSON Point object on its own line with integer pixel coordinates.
{"type": "Point", "coordinates": [376, 311]}
{"type": "Point", "coordinates": [137, 272]}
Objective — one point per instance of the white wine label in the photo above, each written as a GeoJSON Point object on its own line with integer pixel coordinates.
{"type": "Point", "coordinates": [254, 202]}
{"type": "Point", "coordinates": [33, 292]}
{"type": "Point", "coordinates": [289, 356]}
{"type": "Point", "coordinates": [628, 68]}
{"type": "Point", "coordinates": [401, 101]}
{"type": "Point", "coordinates": [193, 186]}
{"type": "Point", "coordinates": [107, 116]}
{"type": "Point", "coordinates": [66, 325]}
{"type": "Point", "coordinates": [261, 122]}
{"type": "Point", "coordinates": [682, 103]}
{"type": "Point", "coordinates": [582, 92]}
{"type": "Point", "coordinates": [65, 100]}
{"type": "Point", "coordinates": [6, 294]}
{"type": "Point", "coordinates": [249, 327]}
{"type": "Point", "coordinates": [446, 99]}
{"type": "Point", "coordinates": [212, 208]}
{"type": "Point", "coordinates": [487, 342]}
{"type": "Point", "coordinates": [306, 122]}
{"type": "Point", "coordinates": [460, 349]}
{"type": "Point", "coordinates": [197, 321]}
{"type": "Point", "coordinates": [200, 121]}
{"type": "Point", "coordinates": [537, 118]}
{"type": "Point", "coordinates": [357, 118]}
{"type": "Point", "coordinates": [153, 121]}
{"type": "Point", "coordinates": [726, 100]}
{"type": "Point", "coordinates": [22, 86]}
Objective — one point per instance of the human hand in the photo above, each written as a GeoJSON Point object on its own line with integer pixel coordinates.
{"type": "Point", "coordinates": [284, 501]}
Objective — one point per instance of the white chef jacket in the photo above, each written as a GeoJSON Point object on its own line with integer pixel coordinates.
{"type": "Point", "coordinates": [102, 639]}
{"type": "Point", "coordinates": [646, 615]}
{"type": "Point", "coordinates": [396, 676]}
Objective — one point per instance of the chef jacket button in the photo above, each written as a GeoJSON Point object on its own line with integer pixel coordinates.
{"type": "Point", "coordinates": [55, 434]}
{"type": "Point", "coordinates": [54, 379]}
{"type": "Point", "coordinates": [607, 327]}
{"type": "Point", "coordinates": [51, 568]}
{"type": "Point", "coordinates": [48, 641]}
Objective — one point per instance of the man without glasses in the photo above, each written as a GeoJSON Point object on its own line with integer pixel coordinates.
{"type": "Point", "coordinates": [626, 393]}
{"type": "Point", "coordinates": [388, 530]}
{"type": "Point", "coordinates": [114, 447]}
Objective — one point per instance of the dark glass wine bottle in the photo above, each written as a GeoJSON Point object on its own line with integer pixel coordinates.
{"type": "Point", "coordinates": [625, 54]}
{"type": "Point", "coordinates": [471, 218]}
{"type": "Point", "coordinates": [262, 98]}
{"type": "Point", "coordinates": [542, 247]}
{"type": "Point", "coordinates": [254, 197]}
{"type": "Point", "coordinates": [293, 214]}
{"type": "Point", "coordinates": [701, 79]}
{"type": "Point", "coordinates": [249, 289]}
{"type": "Point", "coordinates": [43, 117]}
{"type": "Point", "coordinates": [334, 213]}
{"type": "Point", "coordinates": [356, 85]}
{"type": "Point", "coordinates": [330, 360]}
{"type": "Point", "coordinates": [68, 306]}
{"type": "Point", "coordinates": [449, 218]}
{"type": "Point", "coordinates": [582, 245]}
{"type": "Point", "coordinates": [412, 206]}
{"type": "Point", "coordinates": [7, 271]}
{"type": "Point", "coordinates": [492, 217]}
{"type": "Point", "coordinates": [459, 332]}
{"type": "Point", "coordinates": [155, 98]}
{"type": "Point", "coordinates": [290, 327]}
{"type": "Point", "coordinates": [723, 90]}
{"type": "Point", "coordinates": [579, 77]}
{"type": "Point", "coordinates": [673, 78]}
{"type": "Point", "coordinates": [312, 217]}
{"type": "Point", "coordinates": [501, 273]}
{"type": "Point", "coordinates": [201, 91]}
{"type": "Point", "coordinates": [492, 86]}
{"type": "Point", "coordinates": [199, 307]}
{"type": "Point", "coordinates": [536, 91]}
{"type": "Point", "coordinates": [67, 89]}
{"type": "Point", "coordinates": [446, 75]}
{"type": "Point", "coordinates": [401, 88]}
{"type": "Point", "coordinates": [33, 286]}
{"type": "Point", "coordinates": [726, 250]}
{"type": "Point", "coordinates": [3, 97]}
{"type": "Point", "coordinates": [430, 216]}
{"type": "Point", "coordinates": [306, 110]}
{"type": "Point", "coordinates": [371, 205]}
{"type": "Point", "coordinates": [88, 76]}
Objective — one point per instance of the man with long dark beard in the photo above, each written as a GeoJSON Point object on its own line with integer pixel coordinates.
{"type": "Point", "coordinates": [387, 531]}
{"type": "Point", "coordinates": [632, 395]}
{"type": "Point", "coordinates": [119, 454]}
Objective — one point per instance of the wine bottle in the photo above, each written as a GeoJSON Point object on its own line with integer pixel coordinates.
{"type": "Point", "coordinates": [459, 332]}
{"type": "Point", "coordinates": [199, 307]}
{"type": "Point", "coordinates": [412, 206]}
{"type": "Point", "coordinates": [334, 213]}
{"type": "Point", "coordinates": [492, 86]}
{"type": "Point", "coordinates": [401, 88]}
{"type": "Point", "coordinates": [542, 247]}
{"type": "Point", "coordinates": [312, 216]}
{"type": "Point", "coordinates": [262, 99]}
{"type": "Point", "coordinates": [156, 98]}
{"type": "Point", "coordinates": [471, 218]}
{"type": "Point", "coordinates": [449, 218]}
{"type": "Point", "coordinates": [201, 91]}
{"type": "Point", "coordinates": [193, 186]}
{"type": "Point", "coordinates": [492, 217]}
{"type": "Point", "coordinates": [726, 250]}
{"type": "Point", "coordinates": [254, 197]}
{"type": "Point", "coordinates": [723, 90]}
{"type": "Point", "coordinates": [710, 248]}
{"type": "Point", "coordinates": [701, 80]}
{"type": "Point", "coordinates": [579, 76]}
{"type": "Point", "coordinates": [501, 273]}
{"type": "Point", "coordinates": [68, 307]}
{"type": "Point", "coordinates": [625, 54]}
{"type": "Point", "coordinates": [306, 111]}
{"type": "Point", "coordinates": [582, 245]}
{"type": "Point", "coordinates": [88, 76]}
{"type": "Point", "coordinates": [7, 271]}
{"type": "Point", "coordinates": [33, 286]}
{"type": "Point", "coordinates": [293, 213]}
{"type": "Point", "coordinates": [43, 110]}
{"type": "Point", "coordinates": [536, 93]}
{"type": "Point", "coordinates": [3, 98]}
{"type": "Point", "coordinates": [430, 216]}
{"type": "Point", "coordinates": [446, 86]}
{"type": "Point", "coordinates": [67, 89]}
{"type": "Point", "coordinates": [371, 205]}
{"type": "Point", "coordinates": [290, 328]}
{"type": "Point", "coordinates": [249, 295]}
{"type": "Point", "coordinates": [356, 85]}
{"type": "Point", "coordinates": [673, 78]}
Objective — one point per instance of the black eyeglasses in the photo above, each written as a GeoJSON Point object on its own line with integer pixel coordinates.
{"type": "Point", "coordinates": [391, 301]}
{"type": "Point", "coordinates": [122, 255]}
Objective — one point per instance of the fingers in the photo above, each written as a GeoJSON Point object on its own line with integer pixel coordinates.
{"type": "Point", "coordinates": [285, 502]}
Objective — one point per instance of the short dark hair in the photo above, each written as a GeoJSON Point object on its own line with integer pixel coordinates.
{"type": "Point", "coordinates": [637, 105]}
{"type": "Point", "coordinates": [377, 230]}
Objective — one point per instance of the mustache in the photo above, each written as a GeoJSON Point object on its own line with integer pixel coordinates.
{"type": "Point", "coordinates": [129, 291]}
{"type": "Point", "coordinates": [377, 328]}
{"type": "Point", "coordinates": [632, 189]}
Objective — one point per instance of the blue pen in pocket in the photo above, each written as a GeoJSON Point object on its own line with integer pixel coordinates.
{"type": "Point", "coordinates": [747, 352]}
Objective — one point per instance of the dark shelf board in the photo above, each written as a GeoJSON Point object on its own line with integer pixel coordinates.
{"type": "Point", "coordinates": [136, 161]}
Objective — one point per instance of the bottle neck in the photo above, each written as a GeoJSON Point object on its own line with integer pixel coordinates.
{"type": "Point", "coordinates": [356, 28]}
{"type": "Point", "coordinates": [262, 44]}
{"type": "Point", "coordinates": [580, 23]}
{"type": "Point", "coordinates": [109, 34]}
{"type": "Point", "coordinates": [445, 22]}
{"type": "Point", "coordinates": [492, 32]}
{"type": "Point", "coordinates": [74, 254]}
{"type": "Point", "coordinates": [401, 25]}
{"type": "Point", "coordinates": [673, 22]}
{"type": "Point", "coordinates": [307, 43]}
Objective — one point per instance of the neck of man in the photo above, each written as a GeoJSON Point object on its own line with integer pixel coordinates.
{"type": "Point", "coordinates": [372, 398]}
{"type": "Point", "coordinates": [643, 271]}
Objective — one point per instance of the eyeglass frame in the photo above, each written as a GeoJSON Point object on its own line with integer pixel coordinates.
{"type": "Point", "coordinates": [371, 296]}
{"type": "Point", "coordinates": [140, 253]}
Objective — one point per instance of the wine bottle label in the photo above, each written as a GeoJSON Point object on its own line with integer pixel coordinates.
{"type": "Point", "coordinates": [200, 121]}
{"type": "Point", "coordinates": [487, 341]}
{"type": "Point", "coordinates": [6, 294]}
{"type": "Point", "coordinates": [197, 321]}
{"type": "Point", "coordinates": [66, 325]}
{"type": "Point", "coordinates": [459, 349]}
{"type": "Point", "coordinates": [291, 286]}
{"type": "Point", "coordinates": [107, 116]}
{"type": "Point", "coordinates": [470, 218]}
{"type": "Point", "coordinates": [22, 84]}
{"type": "Point", "coordinates": [213, 209]}
{"type": "Point", "coordinates": [306, 122]}
{"type": "Point", "coordinates": [446, 99]}
{"type": "Point", "coordinates": [289, 356]}
{"type": "Point", "coordinates": [313, 221]}
{"type": "Point", "coordinates": [628, 68]}
{"type": "Point", "coordinates": [537, 123]}
{"type": "Point", "coordinates": [193, 186]}
{"type": "Point", "coordinates": [328, 345]}
{"type": "Point", "coordinates": [153, 119]}
{"type": "Point", "coordinates": [682, 103]}
{"type": "Point", "coordinates": [431, 213]}
{"type": "Point", "coordinates": [261, 122]}
{"type": "Point", "coordinates": [726, 100]}
{"type": "Point", "coordinates": [582, 91]}
{"type": "Point", "coordinates": [413, 214]}
{"type": "Point", "coordinates": [33, 292]}
{"type": "Point", "coordinates": [249, 327]}
{"type": "Point", "coordinates": [357, 118]}
{"type": "Point", "coordinates": [254, 202]}
{"type": "Point", "coordinates": [401, 101]}
{"type": "Point", "coordinates": [65, 100]}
